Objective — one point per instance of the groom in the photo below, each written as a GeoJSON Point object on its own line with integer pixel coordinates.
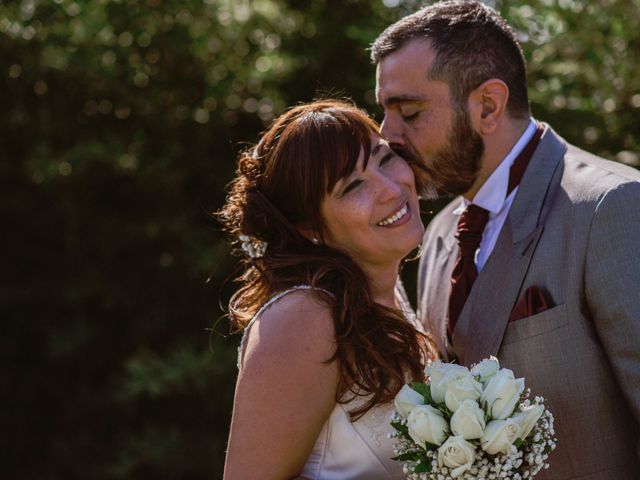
{"type": "Point", "coordinates": [538, 259]}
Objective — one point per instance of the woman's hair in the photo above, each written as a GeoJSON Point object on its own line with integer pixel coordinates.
{"type": "Point", "coordinates": [279, 185]}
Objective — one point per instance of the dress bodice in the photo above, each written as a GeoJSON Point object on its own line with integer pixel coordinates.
{"type": "Point", "coordinates": [354, 450]}
{"type": "Point", "coordinates": [346, 450]}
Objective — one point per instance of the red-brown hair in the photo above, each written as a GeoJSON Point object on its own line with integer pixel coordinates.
{"type": "Point", "coordinates": [279, 185]}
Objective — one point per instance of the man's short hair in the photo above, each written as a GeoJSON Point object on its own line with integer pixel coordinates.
{"type": "Point", "coordinates": [472, 43]}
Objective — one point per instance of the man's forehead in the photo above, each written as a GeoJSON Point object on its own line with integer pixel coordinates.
{"type": "Point", "coordinates": [400, 89]}
{"type": "Point", "coordinates": [418, 52]}
{"type": "Point", "coordinates": [402, 75]}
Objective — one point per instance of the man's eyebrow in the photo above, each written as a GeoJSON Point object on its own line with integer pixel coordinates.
{"type": "Point", "coordinates": [397, 99]}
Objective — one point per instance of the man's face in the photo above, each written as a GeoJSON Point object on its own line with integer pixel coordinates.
{"type": "Point", "coordinates": [421, 124]}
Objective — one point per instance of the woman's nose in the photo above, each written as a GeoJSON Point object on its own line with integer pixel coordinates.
{"type": "Point", "coordinates": [388, 187]}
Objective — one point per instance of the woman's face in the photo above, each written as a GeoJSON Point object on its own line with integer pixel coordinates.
{"type": "Point", "coordinates": [373, 214]}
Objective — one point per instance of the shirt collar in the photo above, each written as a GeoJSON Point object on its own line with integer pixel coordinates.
{"type": "Point", "coordinates": [493, 193]}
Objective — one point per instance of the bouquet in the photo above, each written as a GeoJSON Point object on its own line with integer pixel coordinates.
{"type": "Point", "coordinates": [477, 424]}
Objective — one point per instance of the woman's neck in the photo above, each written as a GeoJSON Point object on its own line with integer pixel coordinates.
{"type": "Point", "coordinates": [382, 281]}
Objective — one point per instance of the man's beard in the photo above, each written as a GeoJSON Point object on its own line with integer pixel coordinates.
{"type": "Point", "coordinates": [454, 168]}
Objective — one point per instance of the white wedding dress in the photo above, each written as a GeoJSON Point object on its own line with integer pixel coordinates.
{"type": "Point", "coordinates": [345, 450]}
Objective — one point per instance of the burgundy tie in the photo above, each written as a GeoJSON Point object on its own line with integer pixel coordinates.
{"type": "Point", "coordinates": [469, 235]}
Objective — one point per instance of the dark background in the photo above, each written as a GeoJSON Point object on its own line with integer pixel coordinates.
{"type": "Point", "coordinates": [119, 126]}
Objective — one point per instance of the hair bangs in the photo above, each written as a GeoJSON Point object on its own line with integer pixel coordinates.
{"type": "Point", "coordinates": [351, 137]}
{"type": "Point", "coordinates": [314, 146]}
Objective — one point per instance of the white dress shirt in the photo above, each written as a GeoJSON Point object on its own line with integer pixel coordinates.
{"type": "Point", "coordinates": [492, 196]}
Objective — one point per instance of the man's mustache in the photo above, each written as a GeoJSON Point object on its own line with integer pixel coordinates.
{"type": "Point", "coordinates": [404, 152]}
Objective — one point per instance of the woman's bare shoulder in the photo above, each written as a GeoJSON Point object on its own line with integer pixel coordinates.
{"type": "Point", "coordinates": [285, 390]}
{"type": "Point", "coordinates": [296, 324]}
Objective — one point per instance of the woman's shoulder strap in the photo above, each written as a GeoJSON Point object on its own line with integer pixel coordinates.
{"type": "Point", "coordinates": [278, 296]}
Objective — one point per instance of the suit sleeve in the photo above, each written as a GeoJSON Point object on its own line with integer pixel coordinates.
{"type": "Point", "coordinates": [612, 284]}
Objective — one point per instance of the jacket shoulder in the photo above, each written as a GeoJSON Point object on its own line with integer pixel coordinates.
{"type": "Point", "coordinates": [588, 174]}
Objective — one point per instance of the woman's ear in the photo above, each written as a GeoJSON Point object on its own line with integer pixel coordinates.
{"type": "Point", "coordinates": [487, 105]}
{"type": "Point", "coordinates": [310, 234]}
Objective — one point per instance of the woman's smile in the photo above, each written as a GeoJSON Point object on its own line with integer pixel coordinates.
{"type": "Point", "coordinates": [400, 217]}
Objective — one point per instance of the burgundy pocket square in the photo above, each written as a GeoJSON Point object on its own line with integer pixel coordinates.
{"type": "Point", "coordinates": [532, 302]}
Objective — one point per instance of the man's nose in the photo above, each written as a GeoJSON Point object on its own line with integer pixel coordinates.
{"type": "Point", "coordinates": [390, 130]}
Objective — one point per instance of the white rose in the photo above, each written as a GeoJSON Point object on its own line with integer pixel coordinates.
{"type": "Point", "coordinates": [458, 454]}
{"type": "Point", "coordinates": [486, 369]}
{"type": "Point", "coordinates": [427, 424]}
{"type": "Point", "coordinates": [499, 436]}
{"type": "Point", "coordinates": [437, 373]}
{"type": "Point", "coordinates": [406, 399]}
{"type": "Point", "coordinates": [468, 420]}
{"type": "Point", "coordinates": [527, 418]}
{"type": "Point", "coordinates": [460, 386]}
{"type": "Point", "coordinates": [502, 393]}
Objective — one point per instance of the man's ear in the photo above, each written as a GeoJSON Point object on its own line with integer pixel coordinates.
{"type": "Point", "coordinates": [488, 105]}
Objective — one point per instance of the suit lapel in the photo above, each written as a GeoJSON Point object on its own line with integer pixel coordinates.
{"type": "Point", "coordinates": [480, 328]}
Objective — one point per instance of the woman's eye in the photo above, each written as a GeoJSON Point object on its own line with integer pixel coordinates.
{"type": "Point", "coordinates": [351, 186]}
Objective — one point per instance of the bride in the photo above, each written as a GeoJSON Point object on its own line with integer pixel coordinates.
{"type": "Point", "coordinates": [324, 212]}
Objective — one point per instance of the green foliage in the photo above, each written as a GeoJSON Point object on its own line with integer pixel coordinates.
{"type": "Point", "coordinates": [402, 429]}
{"type": "Point", "coordinates": [415, 456]}
{"type": "Point", "coordinates": [584, 77]}
{"type": "Point", "coordinates": [121, 119]}
{"type": "Point", "coordinates": [422, 467]}
{"type": "Point", "coordinates": [424, 390]}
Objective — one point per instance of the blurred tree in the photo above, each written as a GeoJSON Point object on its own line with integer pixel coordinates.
{"type": "Point", "coordinates": [584, 70]}
{"type": "Point", "coordinates": [120, 124]}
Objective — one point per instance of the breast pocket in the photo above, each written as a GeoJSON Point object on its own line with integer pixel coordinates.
{"type": "Point", "coordinates": [537, 324]}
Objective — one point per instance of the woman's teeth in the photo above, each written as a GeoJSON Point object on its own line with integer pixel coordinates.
{"type": "Point", "coordinates": [395, 217]}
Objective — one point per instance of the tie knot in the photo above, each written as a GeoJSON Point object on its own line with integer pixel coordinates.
{"type": "Point", "coordinates": [470, 228]}
{"type": "Point", "coordinates": [473, 220]}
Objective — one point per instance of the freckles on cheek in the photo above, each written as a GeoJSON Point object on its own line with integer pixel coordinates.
{"type": "Point", "coordinates": [358, 212]}
{"type": "Point", "coordinates": [349, 219]}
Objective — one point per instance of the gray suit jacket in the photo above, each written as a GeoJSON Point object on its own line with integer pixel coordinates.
{"type": "Point", "coordinates": [573, 230]}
